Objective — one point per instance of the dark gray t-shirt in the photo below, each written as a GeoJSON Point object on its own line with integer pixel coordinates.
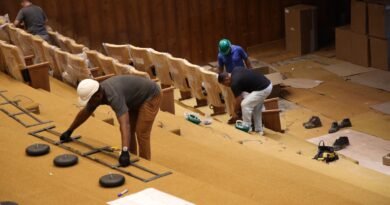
{"type": "Point", "coordinates": [125, 93]}
{"type": "Point", "coordinates": [34, 19]}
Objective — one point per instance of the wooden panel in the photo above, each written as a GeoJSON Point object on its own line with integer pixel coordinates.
{"type": "Point", "coordinates": [184, 28]}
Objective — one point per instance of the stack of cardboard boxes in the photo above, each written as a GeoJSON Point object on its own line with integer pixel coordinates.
{"type": "Point", "coordinates": [366, 41]}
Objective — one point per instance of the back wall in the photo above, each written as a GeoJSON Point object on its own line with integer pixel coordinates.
{"type": "Point", "coordinates": [185, 28]}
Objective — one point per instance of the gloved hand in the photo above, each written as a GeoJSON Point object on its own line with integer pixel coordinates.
{"type": "Point", "coordinates": [66, 136]}
{"type": "Point", "coordinates": [124, 159]}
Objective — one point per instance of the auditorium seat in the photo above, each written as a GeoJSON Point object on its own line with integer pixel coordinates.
{"type": "Point", "coordinates": [74, 47]}
{"type": "Point", "coordinates": [37, 75]}
{"type": "Point", "coordinates": [37, 44]}
{"type": "Point", "coordinates": [4, 36]}
{"type": "Point", "coordinates": [61, 58]}
{"type": "Point", "coordinates": [119, 52]}
{"type": "Point", "coordinates": [3, 65]}
{"type": "Point", "coordinates": [54, 38]}
{"type": "Point", "coordinates": [93, 57]}
{"type": "Point", "coordinates": [124, 69]}
{"type": "Point", "coordinates": [160, 62]}
{"type": "Point", "coordinates": [179, 79]}
{"type": "Point", "coordinates": [107, 64]}
{"type": "Point", "coordinates": [141, 59]}
{"type": "Point", "coordinates": [194, 77]}
{"type": "Point", "coordinates": [213, 92]}
{"type": "Point", "coordinates": [26, 45]}
{"type": "Point", "coordinates": [13, 35]}
{"type": "Point", "coordinates": [49, 52]}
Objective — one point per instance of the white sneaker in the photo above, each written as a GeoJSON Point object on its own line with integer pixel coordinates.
{"type": "Point", "coordinates": [261, 133]}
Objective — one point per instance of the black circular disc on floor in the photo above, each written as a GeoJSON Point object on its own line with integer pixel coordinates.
{"type": "Point", "coordinates": [112, 180]}
{"type": "Point", "coordinates": [37, 149]}
{"type": "Point", "coordinates": [65, 160]}
{"type": "Point", "coordinates": [8, 203]}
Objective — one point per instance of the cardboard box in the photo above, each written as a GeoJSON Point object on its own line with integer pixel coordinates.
{"type": "Point", "coordinates": [379, 49]}
{"type": "Point", "coordinates": [359, 16]}
{"type": "Point", "coordinates": [343, 43]}
{"type": "Point", "coordinates": [301, 29]}
{"type": "Point", "coordinates": [360, 49]}
{"type": "Point", "coordinates": [379, 20]}
{"type": "Point", "coordinates": [352, 46]}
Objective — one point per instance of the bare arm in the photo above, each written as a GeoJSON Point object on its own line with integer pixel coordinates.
{"type": "Point", "coordinates": [16, 23]}
{"type": "Point", "coordinates": [124, 123]}
{"type": "Point", "coordinates": [81, 117]}
{"type": "Point", "coordinates": [248, 63]}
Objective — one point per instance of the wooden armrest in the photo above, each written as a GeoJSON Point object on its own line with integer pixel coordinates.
{"type": "Point", "coordinates": [104, 77]}
{"type": "Point", "coordinates": [94, 69]}
{"type": "Point", "coordinates": [29, 57]}
{"type": "Point", "coordinates": [39, 65]}
{"type": "Point", "coordinates": [154, 80]}
{"type": "Point", "coordinates": [272, 111]}
{"type": "Point", "coordinates": [167, 89]}
{"type": "Point", "coordinates": [271, 100]}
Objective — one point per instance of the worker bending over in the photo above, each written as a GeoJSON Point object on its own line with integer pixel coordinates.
{"type": "Point", "coordinates": [33, 18]}
{"type": "Point", "coordinates": [136, 102]}
{"type": "Point", "coordinates": [231, 56]}
{"type": "Point", "coordinates": [250, 89]}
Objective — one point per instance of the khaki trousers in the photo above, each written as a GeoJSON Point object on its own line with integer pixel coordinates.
{"type": "Point", "coordinates": [141, 123]}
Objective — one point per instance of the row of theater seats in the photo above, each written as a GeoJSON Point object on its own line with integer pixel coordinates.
{"type": "Point", "coordinates": [65, 59]}
{"type": "Point", "coordinates": [187, 77]}
{"type": "Point", "coordinates": [73, 62]}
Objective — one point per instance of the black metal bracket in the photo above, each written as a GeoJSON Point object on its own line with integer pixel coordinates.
{"type": "Point", "coordinates": [94, 150]}
{"type": "Point", "coordinates": [22, 112]}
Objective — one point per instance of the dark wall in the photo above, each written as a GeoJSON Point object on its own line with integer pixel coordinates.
{"type": "Point", "coordinates": [184, 28]}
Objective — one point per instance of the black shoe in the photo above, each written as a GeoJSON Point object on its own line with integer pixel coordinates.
{"type": "Point", "coordinates": [345, 123]}
{"type": "Point", "coordinates": [124, 159]}
{"type": "Point", "coordinates": [341, 143]}
{"type": "Point", "coordinates": [313, 123]}
{"type": "Point", "coordinates": [334, 128]}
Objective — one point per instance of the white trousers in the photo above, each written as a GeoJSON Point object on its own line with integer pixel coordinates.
{"type": "Point", "coordinates": [252, 105]}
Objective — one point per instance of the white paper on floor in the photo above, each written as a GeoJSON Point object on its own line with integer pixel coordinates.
{"type": "Point", "coordinates": [366, 149]}
{"type": "Point", "coordinates": [150, 196]}
{"type": "Point", "coordinates": [301, 83]}
{"type": "Point", "coordinates": [384, 107]}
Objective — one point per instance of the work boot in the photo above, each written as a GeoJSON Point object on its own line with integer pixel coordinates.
{"type": "Point", "coordinates": [233, 120]}
{"type": "Point", "coordinates": [313, 123]}
{"type": "Point", "coordinates": [341, 143]}
{"type": "Point", "coordinates": [334, 128]}
{"type": "Point", "coordinates": [345, 123]}
{"type": "Point", "coordinates": [124, 159]}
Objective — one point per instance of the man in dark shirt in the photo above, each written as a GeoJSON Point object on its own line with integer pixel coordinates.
{"type": "Point", "coordinates": [34, 19]}
{"type": "Point", "coordinates": [136, 102]}
{"type": "Point", "coordinates": [250, 89]}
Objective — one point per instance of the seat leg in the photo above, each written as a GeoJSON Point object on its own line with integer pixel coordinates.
{"type": "Point", "coordinates": [185, 95]}
{"type": "Point", "coordinates": [200, 103]}
{"type": "Point", "coordinates": [218, 111]}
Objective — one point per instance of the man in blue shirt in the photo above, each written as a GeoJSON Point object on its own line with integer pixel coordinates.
{"type": "Point", "coordinates": [231, 56]}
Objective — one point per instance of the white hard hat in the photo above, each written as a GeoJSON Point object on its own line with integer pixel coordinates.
{"type": "Point", "coordinates": [86, 89]}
